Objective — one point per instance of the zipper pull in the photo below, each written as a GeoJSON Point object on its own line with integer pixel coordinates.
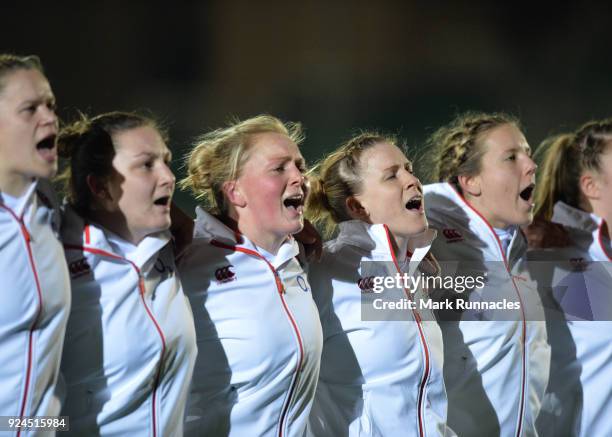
{"type": "Point", "coordinates": [26, 234]}
{"type": "Point", "coordinates": [279, 283]}
{"type": "Point", "coordinates": [141, 284]}
{"type": "Point", "coordinates": [24, 230]}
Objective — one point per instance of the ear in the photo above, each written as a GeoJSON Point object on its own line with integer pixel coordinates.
{"type": "Point", "coordinates": [233, 193]}
{"type": "Point", "coordinates": [470, 185]}
{"type": "Point", "coordinates": [98, 188]}
{"type": "Point", "coordinates": [356, 209]}
{"type": "Point", "coordinates": [589, 185]}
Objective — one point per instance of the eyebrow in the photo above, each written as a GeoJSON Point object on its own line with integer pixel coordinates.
{"type": "Point", "coordinates": [167, 153]}
{"type": "Point", "coordinates": [395, 167]}
{"type": "Point", "coordinates": [286, 158]}
{"type": "Point", "coordinates": [518, 149]}
{"type": "Point", "coordinates": [38, 100]}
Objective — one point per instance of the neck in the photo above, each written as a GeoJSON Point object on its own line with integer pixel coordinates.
{"type": "Point", "coordinates": [475, 203]}
{"type": "Point", "coordinates": [14, 184]}
{"type": "Point", "coordinates": [115, 222]}
{"type": "Point", "coordinates": [268, 241]}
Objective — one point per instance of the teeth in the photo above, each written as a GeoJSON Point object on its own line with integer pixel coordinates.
{"type": "Point", "coordinates": [295, 201]}
{"type": "Point", "coordinates": [414, 202]}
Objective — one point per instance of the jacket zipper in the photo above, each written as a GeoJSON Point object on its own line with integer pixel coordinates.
{"type": "Point", "coordinates": [28, 239]}
{"type": "Point", "coordinates": [418, 321]}
{"type": "Point", "coordinates": [281, 289]}
{"type": "Point", "coordinates": [519, 428]}
{"type": "Point", "coordinates": [142, 291]}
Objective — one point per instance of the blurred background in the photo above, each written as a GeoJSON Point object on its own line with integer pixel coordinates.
{"type": "Point", "coordinates": [402, 67]}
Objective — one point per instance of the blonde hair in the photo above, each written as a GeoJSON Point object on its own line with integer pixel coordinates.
{"type": "Point", "coordinates": [336, 178]}
{"type": "Point", "coordinates": [219, 156]}
{"type": "Point", "coordinates": [457, 147]}
{"type": "Point", "coordinates": [565, 158]}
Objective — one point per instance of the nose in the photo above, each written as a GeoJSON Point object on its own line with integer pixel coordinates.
{"type": "Point", "coordinates": [48, 116]}
{"type": "Point", "coordinates": [167, 178]}
{"type": "Point", "coordinates": [410, 180]}
{"type": "Point", "coordinates": [297, 177]}
{"type": "Point", "coordinates": [531, 166]}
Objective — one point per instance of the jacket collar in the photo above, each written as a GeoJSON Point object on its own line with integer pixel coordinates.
{"type": "Point", "coordinates": [24, 200]}
{"type": "Point", "coordinates": [449, 202]}
{"type": "Point", "coordinates": [575, 218]}
{"type": "Point", "coordinates": [210, 228]}
{"type": "Point", "coordinates": [376, 239]}
{"type": "Point", "coordinates": [75, 231]}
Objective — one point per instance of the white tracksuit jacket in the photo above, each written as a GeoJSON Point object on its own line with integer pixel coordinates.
{"type": "Point", "coordinates": [576, 282]}
{"type": "Point", "coordinates": [130, 342]}
{"type": "Point", "coordinates": [496, 361]}
{"type": "Point", "coordinates": [378, 378]}
{"type": "Point", "coordinates": [34, 306]}
{"type": "Point", "coordinates": [258, 332]}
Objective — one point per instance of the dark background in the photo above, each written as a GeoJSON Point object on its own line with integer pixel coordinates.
{"type": "Point", "coordinates": [403, 67]}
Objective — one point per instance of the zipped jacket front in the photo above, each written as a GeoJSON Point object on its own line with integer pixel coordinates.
{"type": "Point", "coordinates": [130, 343]}
{"type": "Point", "coordinates": [381, 375]}
{"type": "Point", "coordinates": [496, 361]}
{"type": "Point", "coordinates": [258, 332]}
{"type": "Point", "coordinates": [35, 305]}
{"type": "Point", "coordinates": [576, 286]}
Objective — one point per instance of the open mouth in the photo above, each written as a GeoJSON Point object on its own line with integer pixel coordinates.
{"type": "Point", "coordinates": [527, 193]}
{"type": "Point", "coordinates": [46, 143]}
{"type": "Point", "coordinates": [46, 148]}
{"type": "Point", "coordinates": [415, 203]}
{"type": "Point", "coordinates": [162, 201]}
{"type": "Point", "coordinates": [295, 202]}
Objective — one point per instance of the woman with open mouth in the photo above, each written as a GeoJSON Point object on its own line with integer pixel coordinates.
{"type": "Point", "coordinates": [381, 371]}
{"type": "Point", "coordinates": [496, 361]}
{"type": "Point", "coordinates": [36, 286]}
{"type": "Point", "coordinates": [258, 331]}
{"type": "Point", "coordinates": [576, 191]}
{"type": "Point", "coordinates": [130, 342]}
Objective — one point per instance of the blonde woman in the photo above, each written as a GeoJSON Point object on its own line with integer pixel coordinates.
{"type": "Point", "coordinates": [258, 331]}
{"type": "Point", "coordinates": [380, 375]}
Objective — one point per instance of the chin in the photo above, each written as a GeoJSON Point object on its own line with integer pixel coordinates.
{"type": "Point", "coordinates": [296, 229]}
{"type": "Point", "coordinates": [419, 230]}
{"type": "Point", "coordinates": [162, 226]}
{"type": "Point", "coordinates": [420, 227]}
{"type": "Point", "coordinates": [295, 225]}
{"type": "Point", "coordinates": [527, 220]}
